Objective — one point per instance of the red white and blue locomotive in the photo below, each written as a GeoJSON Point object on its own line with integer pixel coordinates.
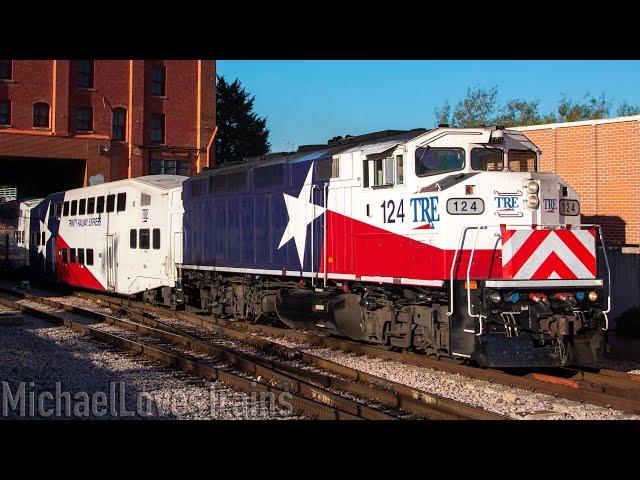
{"type": "Point", "coordinates": [447, 242]}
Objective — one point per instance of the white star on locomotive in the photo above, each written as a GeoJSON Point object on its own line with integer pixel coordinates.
{"type": "Point", "coordinates": [44, 227]}
{"type": "Point", "coordinates": [301, 213]}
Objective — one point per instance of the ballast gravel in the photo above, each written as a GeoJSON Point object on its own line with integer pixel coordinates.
{"type": "Point", "coordinates": [90, 380]}
{"type": "Point", "coordinates": [513, 402]}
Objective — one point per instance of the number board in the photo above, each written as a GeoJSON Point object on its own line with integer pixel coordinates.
{"type": "Point", "coordinates": [569, 207]}
{"type": "Point", "coordinates": [465, 206]}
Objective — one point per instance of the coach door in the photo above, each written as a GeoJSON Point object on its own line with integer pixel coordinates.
{"type": "Point", "coordinates": [111, 262]}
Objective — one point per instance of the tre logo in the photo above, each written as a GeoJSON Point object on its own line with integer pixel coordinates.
{"type": "Point", "coordinates": [507, 203]}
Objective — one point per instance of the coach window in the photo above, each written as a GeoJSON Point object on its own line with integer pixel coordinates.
{"type": "Point", "coordinates": [435, 160]}
{"type": "Point", "coordinates": [72, 255]}
{"type": "Point", "coordinates": [82, 206]}
{"type": "Point", "coordinates": [122, 202]}
{"type": "Point", "coordinates": [74, 207]}
{"type": "Point", "coordinates": [52, 209]}
{"type": "Point", "coordinates": [156, 239]}
{"type": "Point", "coordinates": [44, 241]}
{"type": "Point", "coordinates": [100, 205]}
{"type": "Point", "coordinates": [133, 237]}
{"type": "Point", "coordinates": [89, 256]}
{"type": "Point", "coordinates": [487, 159]}
{"type": "Point", "coordinates": [111, 203]}
{"type": "Point", "coordinates": [59, 209]}
{"type": "Point", "coordinates": [81, 256]}
{"type": "Point", "coordinates": [91, 205]}
{"type": "Point", "coordinates": [64, 256]}
{"type": "Point", "coordinates": [522, 161]}
{"type": "Point", "coordinates": [144, 238]}
{"type": "Point", "coordinates": [65, 213]}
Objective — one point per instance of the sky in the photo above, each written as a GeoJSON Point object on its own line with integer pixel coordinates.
{"type": "Point", "coordinates": [310, 101]}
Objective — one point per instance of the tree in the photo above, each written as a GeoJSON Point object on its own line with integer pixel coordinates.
{"type": "Point", "coordinates": [624, 109]}
{"type": "Point", "coordinates": [476, 108]}
{"type": "Point", "coordinates": [519, 112]}
{"type": "Point", "coordinates": [241, 132]}
{"type": "Point", "coordinates": [591, 108]}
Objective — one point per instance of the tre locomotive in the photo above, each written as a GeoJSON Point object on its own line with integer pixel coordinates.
{"type": "Point", "coordinates": [445, 241]}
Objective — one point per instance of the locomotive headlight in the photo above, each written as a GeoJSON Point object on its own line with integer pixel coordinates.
{"type": "Point", "coordinates": [533, 186]}
{"type": "Point", "coordinates": [532, 200]}
{"type": "Point", "coordinates": [495, 297]}
{"type": "Point", "coordinates": [593, 295]}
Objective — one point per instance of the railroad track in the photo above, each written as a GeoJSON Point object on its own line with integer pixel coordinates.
{"type": "Point", "coordinates": [605, 388]}
{"type": "Point", "coordinates": [315, 394]}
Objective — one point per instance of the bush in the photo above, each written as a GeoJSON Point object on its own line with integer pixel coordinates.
{"type": "Point", "coordinates": [628, 324]}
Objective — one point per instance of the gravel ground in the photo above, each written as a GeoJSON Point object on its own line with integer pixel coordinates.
{"type": "Point", "coordinates": [45, 358]}
{"type": "Point", "coordinates": [514, 402]}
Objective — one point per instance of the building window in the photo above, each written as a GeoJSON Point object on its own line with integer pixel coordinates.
{"type": "Point", "coordinates": [118, 126]}
{"type": "Point", "coordinates": [85, 73]}
{"type": "Point", "coordinates": [5, 112]}
{"type": "Point", "coordinates": [85, 118]}
{"type": "Point", "coordinates": [157, 81]}
{"type": "Point", "coordinates": [157, 128]}
{"type": "Point", "coordinates": [41, 115]}
{"type": "Point", "coordinates": [5, 69]}
{"type": "Point", "coordinates": [169, 167]}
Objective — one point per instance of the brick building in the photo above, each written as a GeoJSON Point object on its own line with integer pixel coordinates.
{"type": "Point", "coordinates": [66, 124]}
{"type": "Point", "coordinates": [601, 160]}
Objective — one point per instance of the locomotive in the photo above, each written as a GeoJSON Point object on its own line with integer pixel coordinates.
{"type": "Point", "coordinates": [446, 241]}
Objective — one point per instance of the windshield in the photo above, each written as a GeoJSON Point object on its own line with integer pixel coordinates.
{"type": "Point", "coordinates": [487, 159]}
{"type": "Point", "coordinates": [430, 161]}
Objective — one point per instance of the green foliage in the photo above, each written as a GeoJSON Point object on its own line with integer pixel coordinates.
{"type": "Point", "coordinates": [480, 106]}
{"type": "Point", "coordinates": [625, 109]}
{"type": "Point", "coordinates": [590, 108]}
{"type": "Point", "coordinates": [241, 132]}
{"type": "Point", "coordinates": [628, 323]}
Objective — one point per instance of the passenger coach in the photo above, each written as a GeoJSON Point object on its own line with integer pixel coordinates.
{"type": "Point", "coordinates": [124, 237]}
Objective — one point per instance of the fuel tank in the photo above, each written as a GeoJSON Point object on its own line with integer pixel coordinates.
{"type": "Point", "coordinates": [329, 312]}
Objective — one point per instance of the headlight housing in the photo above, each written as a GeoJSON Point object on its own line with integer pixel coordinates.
{"type": "Point", "coordinates": [532, 200]}
{"type": "Point", "coordinates": [593, 295]}
{"type": "Point", "coordinates": [532, 186]}
{"type": "Point", "coordinates": [495, 297]}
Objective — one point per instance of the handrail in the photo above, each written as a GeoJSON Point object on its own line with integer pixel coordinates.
{"type": "Point", "coordinates": [485, 227]}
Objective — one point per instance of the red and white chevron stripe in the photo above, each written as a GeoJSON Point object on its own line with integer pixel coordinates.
{"type": "Point", "coordinates": [548, 254]}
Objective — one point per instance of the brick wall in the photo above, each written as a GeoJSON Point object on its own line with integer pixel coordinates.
{"type": "Point", "coordinates": [600, 159]}
{"type": "Point", "coordinates": [188, 105]}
